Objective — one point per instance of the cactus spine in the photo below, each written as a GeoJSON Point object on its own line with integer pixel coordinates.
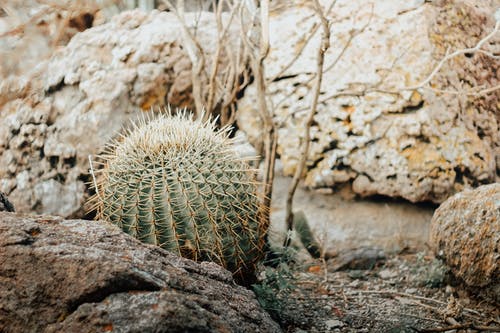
{"type": "Point", "coordinates": [177, 183]}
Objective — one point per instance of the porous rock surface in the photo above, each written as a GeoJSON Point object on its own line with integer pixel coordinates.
{"type": "Point", "coordinates": [88, 92]}
{"type": "Point", "coordinates": [465, 233]}
{"type": "Point", "coordinates": [61, 275]}
{"type": "Point", "coordinates": [421, 145]}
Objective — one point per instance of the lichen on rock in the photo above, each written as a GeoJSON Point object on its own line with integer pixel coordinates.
{"type": "Point", "coordinates": [421, 145]}
{"type": "Point", "coordinates": [465, 233]}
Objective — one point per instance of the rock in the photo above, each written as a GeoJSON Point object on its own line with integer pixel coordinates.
{"type": "Point", "coordinates": [364, 258]}
{"type": "Point", "coordinates": [5, 204]}
{"type": "Point", "coordinates": [31, 31]}
{"type": "Point", "coordinates": [421, 145]}
{"type": "Point", "coordinates": [387, 274]}
{"type": "Point", "coordinates": [465, 233]}
{"type": "Point", "coordinates": [88, 92]}
{"type": "Point", "coordinates": [82, 276]}
{"type": "Point", "coordinates": [333, 323]}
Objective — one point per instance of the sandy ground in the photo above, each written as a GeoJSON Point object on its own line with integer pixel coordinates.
{"type": "Point", "coordinates": [381, 275]}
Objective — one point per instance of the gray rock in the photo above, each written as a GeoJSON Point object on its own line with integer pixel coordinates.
{"type": "Point", "coordinates": [420, 145]}
{"type": "Point", "coordinates": [364, 258]}
{"type": "Point", "coordinates": [465, 233]}
{"type": "Point", "coordinates": [387, 274]}
{"type": "Point", "coordinates": [333, 323]}
{"type": "Point", "coordinates": [84, 276]}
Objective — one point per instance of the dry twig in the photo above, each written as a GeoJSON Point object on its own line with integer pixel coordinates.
{"type": "Point", "coordinates": [258, 51]}
{"type": "Point", "coordinates": [476, 48]}
{"type": "Point", "coordinates": [216, 87]}
{"type": "Point", "coordinates": [400, 294]}
{"type": "Point", "coordinates": [325, 44]}
{"type": "Point", "coordinates": [472, 326]}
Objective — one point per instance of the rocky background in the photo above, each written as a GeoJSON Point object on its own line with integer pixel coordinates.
{"type": "Point", "coordinates": [420, 145]}
{"type": "Point", "coordinates": [104, 77]}
{"type": "Point", "coordinates": [75, 78]}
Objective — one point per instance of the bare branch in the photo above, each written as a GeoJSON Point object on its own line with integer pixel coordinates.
{"type": "Point", "coordinates": [325, 44]}
{"type": "Point", "coordinates": [307, 38]}
{"type": "Point", "coordinates": [471, 92]}
{"type": "Point", "coordinates": [258, 51]}
{"type": "Point", "coordinates": [92, 173]}
{"type": "Point", "coordinates": [447, 57]}
{"type": "Point", "coordinates": [222, 34]}
{"type": "Point", "coordinates": [195, 53]}
{"type": "Point", "coordinates": [352, 35]}
{"type": "Point", "coordinates": [306, 83]}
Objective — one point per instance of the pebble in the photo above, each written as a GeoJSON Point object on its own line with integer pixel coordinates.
{"type": "Point", "coordinates": [387, 274]}
{"type": "Point", "coordinates": [354, 284]}
{"type": "Point", "coordinates": [333, 323]}
{"type": "Point", "coordinates": [298, 330]}
{"type": "Point", "coordinates": [411, 290]}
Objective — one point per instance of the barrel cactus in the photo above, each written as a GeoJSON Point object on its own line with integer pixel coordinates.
{"type": "Point", "coordinates": [176, 182]}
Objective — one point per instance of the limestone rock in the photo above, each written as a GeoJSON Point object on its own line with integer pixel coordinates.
{"type": "Point", "coordinates": [84, 276]}
{"type": "Point", "coordinates": [88, 92]}
{"type": "Point", "coordinates": [465, 233]}
{"type": "Point", "coordinates": [421, 145]}
{"type": "Point", "coordinates": [30, 32]}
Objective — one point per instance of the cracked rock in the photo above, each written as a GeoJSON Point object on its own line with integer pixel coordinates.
{"type": "Point", "coordinates": [61, 275]}
{"type": "Point", "coordinates": [420, 145]}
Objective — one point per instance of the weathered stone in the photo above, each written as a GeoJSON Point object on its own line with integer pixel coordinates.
{"type": "Point", "coordinates": [30, 32]}
{"type": "Point", "coordinates": [88, 92]}
{"type": "Point", "coordinates": [465, 233]}
{"type": "Point", "coordinates": [421, 145]}
{"type": "Point", "coordinates": [84, 276]}
{"type": "Point", "coordinates": [363, 258]}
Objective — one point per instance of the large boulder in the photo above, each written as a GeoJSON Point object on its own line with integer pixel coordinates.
{"type": "Point", "coordinates": [61, 275]}
{"type": "Point", "coordinates": [465, 233]}
{"type": "Point", "coordinates": [421, 145]}
{"type": "Point", "coordinates": [88, 92]}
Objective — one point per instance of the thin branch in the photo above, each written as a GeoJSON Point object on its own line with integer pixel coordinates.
{"type": "Point", "coordinates": [377, 87]}
{"type": "Point", "coordinates": [195, 53]}
{"type": "Point", "coordinates": [91, 170]}
{"type": "Point", "coordinates": [346, 46]}
{"type": "Point", "coordinates": [447, 57]}
{"type": "Point", "coordinates": [461, 327]}
{"type": "Point", "coordinates": [401, 294]}
{"type": "Point", "coordinates": [258, 52]}
{"type": "Point", "coordinates": [222, 33]}
{"type": "Point", "coordinates": [264, 29]}
{"type": "Point", "coordinates": [325, 44]}
{"type": "Point", "coordinates": [352, 35]}
{"type": "Point", "coordinates": [471, 92]}
{"type": "Point", "coordinates": [309, 34]}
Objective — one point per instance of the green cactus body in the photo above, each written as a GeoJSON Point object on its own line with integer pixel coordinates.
{"type": "Point", "coordinates": [177, 183]}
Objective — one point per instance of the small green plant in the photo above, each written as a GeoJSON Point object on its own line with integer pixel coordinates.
{"type": "Point", "coordinates": [177, 183]}
{"type": "Point", "coordinates": [276, 284]}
